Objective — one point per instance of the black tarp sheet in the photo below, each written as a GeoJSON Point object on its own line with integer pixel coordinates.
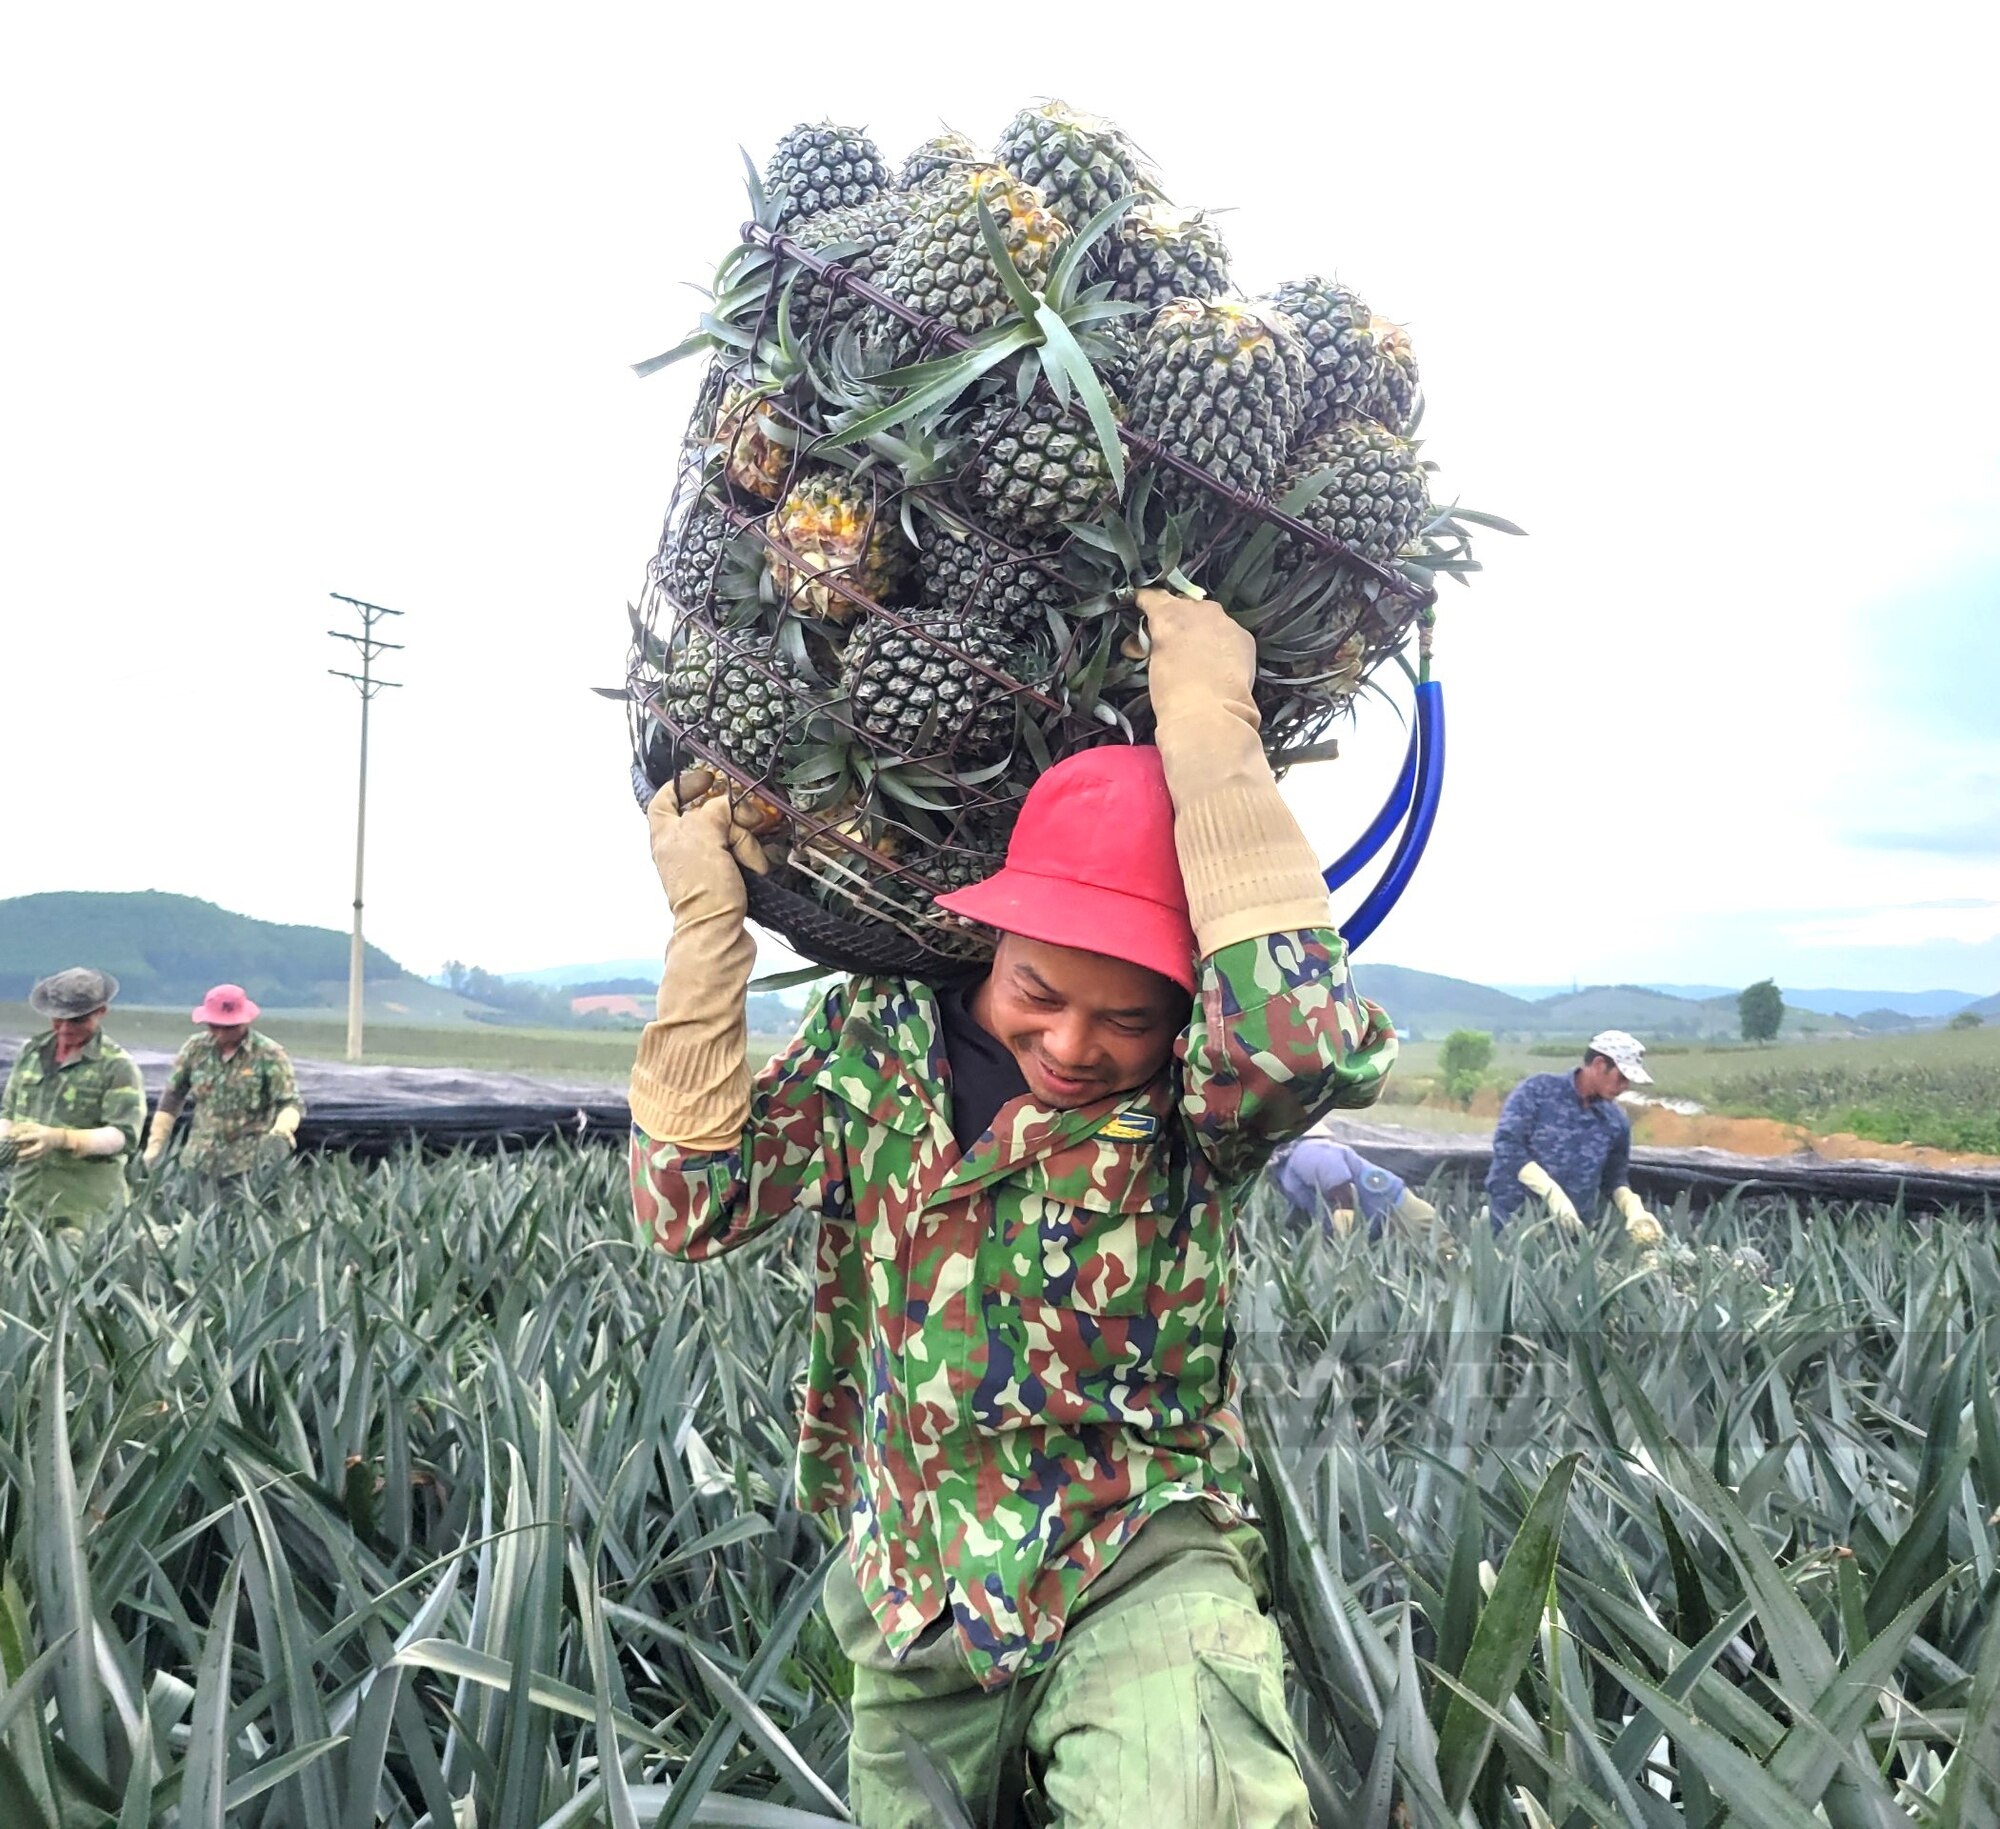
{"type": "Point", "coordinates": [372, 1111]}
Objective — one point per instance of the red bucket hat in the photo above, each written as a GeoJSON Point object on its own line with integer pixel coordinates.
{"type": "Point", "coordinates": [1092, 865]}
{"type": "Point", "coordinates": [227, 1004]}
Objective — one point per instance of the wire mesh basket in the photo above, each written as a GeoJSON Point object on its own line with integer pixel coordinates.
{"type": "Point", "coordinates": [841, 635]}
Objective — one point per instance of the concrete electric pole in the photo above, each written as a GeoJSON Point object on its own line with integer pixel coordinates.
{"type": "Point", "coordinates": [370, 645]}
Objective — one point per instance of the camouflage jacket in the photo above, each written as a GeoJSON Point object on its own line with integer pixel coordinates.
{"type": "Point", "coordinates": [101, 1086]}
{"type": "Point", "coordinates": [235, 1100]}
{"type": "Point", "coordinates": [1021, 1354]}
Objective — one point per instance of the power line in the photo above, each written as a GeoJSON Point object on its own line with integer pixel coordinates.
{"type": "Point", "coordinates": [370, 645]}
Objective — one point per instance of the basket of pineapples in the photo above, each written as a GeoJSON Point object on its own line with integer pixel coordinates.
{"type": "Point", "coordinates": [953, 416]}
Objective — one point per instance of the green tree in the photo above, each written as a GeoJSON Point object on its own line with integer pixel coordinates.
{"type": "Point", "coordinates": [1760, 1008]}
{"type": "Point", "coordinates": [1467, 1054]}
{"type": "Point", "coordinates": [1965, 1019]}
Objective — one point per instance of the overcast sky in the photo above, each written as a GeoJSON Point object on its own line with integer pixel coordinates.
{"type": "Point", "coordinates": [311, 300]}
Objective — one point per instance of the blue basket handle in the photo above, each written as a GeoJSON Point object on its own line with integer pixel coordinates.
{"type": "Point", "coordinates": [1359, 855]}
{"type": "Point", "coordinates": [1427, 751]}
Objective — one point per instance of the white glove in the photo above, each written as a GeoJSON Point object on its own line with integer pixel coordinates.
{"type": "Point", "coordinates": [158, 1131]}
{"type": "Point", "coordinates": [1640, 1226]}
{"type": "Point", "coordinates": [1538, 1181]}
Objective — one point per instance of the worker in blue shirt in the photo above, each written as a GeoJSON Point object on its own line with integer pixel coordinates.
{"type": "Point", "coordinates": [1335, 1184]}
{"type": "Point", "coordinates": [1562, 1138]}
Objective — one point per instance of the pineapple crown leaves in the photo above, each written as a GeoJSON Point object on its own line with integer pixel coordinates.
{"type": "Point", "coordinates": [923, 387]}
{"type": "Point", "coordinates": [736, 302]}
{"type": "Point", "coordinates": [1063, 360]}
{"type": "Point", "coordinates": [1445, 544]}
{"type": "Point", "coordinates": [742, 280]}
{"type": "Point", "coordinates": [1139, 557]}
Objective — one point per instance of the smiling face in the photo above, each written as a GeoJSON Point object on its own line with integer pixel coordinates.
{"type": "Point", "coordinates": [1082, 1026]}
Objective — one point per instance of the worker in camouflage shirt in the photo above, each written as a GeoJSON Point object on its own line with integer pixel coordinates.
{"type": "Point", "coordinates": [1019, 1406]}
{"type": "Point", "coordinates": [73, 1108]}
{"type": "Point", "coordinates": [246, 1101]}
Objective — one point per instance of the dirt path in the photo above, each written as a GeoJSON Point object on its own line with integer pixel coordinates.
{"type": "Point", "coordinates": [1660, 1128]}
{"type": "Point", "coordinates": [1767, 1137]}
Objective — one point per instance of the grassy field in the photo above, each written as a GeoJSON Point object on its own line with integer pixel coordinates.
{"type": "Point", "coordinates": [426, 1495]}
{"type": "Point", "coordinates": [1940, 1087]}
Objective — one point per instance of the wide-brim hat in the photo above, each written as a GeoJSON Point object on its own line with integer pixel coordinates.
{"type": "Point", "coordinates": [226, 1006]}
{"type": "Point", "coordinates": [1092, 865]}
{"type": "Point", "coordinates": [74, 991]}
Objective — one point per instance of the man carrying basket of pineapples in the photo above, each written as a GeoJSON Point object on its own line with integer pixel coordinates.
{"type": "Point", "coordinates": [887, 662]}
{"type": "Point", "coordinates": [1019, 1403]}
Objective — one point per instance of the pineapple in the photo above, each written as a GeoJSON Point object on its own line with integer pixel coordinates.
{"type": "Point", "coordinates": [1160, 254]}
{"type": "Point", "coordinates": [1378, 503]}
{"type": "Point", "coordinates": [753, 458]}
{"type": "Point", "coordinates": [940, 267]}
{"type": "Point", "coordinates": [1397, 398]}
{"type": "Point", "coordinates": [1079, 163]}
{"type": "Point", "coordinates": [915, 693]}
{"type": "Point", "coordinates": [868, 231]}
{"type": "Point", "coordinates": [691, 553]}
{"type": "Point", "coordinates": [832, 526]}
{"type": "Point", "coordinates": [1379, 500]}
{"type": "Point", "coordinates": [1333, 324]}
{"type": "Point", "coordinates": [1113, 346]}
{"type": "Point", "coordinates": [968, 575]}
{"type": "Point", "coordinates": [735, 696]}
{"type": "Point", "coordinates": [977, 848]}
{"type": "Point", "coordinates": [822, 167]}
{"type": "Point", "coordinates": [943, 152]}
{"type": "Point", "coordinates": [1224, 386]}
{"type": "Point", "coordinates": [1038, 464]}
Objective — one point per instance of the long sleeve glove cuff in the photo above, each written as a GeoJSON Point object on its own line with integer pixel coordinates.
{"type": "Point", "coordinates": [691, 1085]}
{"type": "Point", "coordinates": [1248, 868]}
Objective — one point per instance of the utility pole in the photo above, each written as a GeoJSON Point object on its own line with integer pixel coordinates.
{"type": "Point", "coordinates": [370, 645]}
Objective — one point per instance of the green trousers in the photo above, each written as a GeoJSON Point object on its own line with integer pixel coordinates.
{"type": "Point", "coordinates": [1164, 1707]}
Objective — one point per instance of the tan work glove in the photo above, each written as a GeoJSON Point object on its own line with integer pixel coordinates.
{"type": "Point", "coordinates": [1419, 1221]}
{"type": "Point", "coordinates": [159, 1129]}
{"type": "Point", "coordinates": [1538, 1181]}
{"type": "Point", "coordinates": [33, 1141]}
{"type": "Point", "coordinates": [1640, 1226]}
{"type": "Point", "coordinates": [1248, 868]}
{"type": "Point", "coordinates": [691, 1080]}
{"type": "Point", "coordinates": [285, 1127]}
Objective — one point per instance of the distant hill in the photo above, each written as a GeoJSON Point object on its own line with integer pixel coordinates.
{"type": "Point", "coordinates": [1819, 1001]}
{"type": "Point", "coordinates": [1919, 1004]}
{"type": "Point", "coordinates": [1650, 1014]}
{"type": "Point", "coordinates": [170, 948]}
{"type": "Point", "coordinates": [1426, 1005]}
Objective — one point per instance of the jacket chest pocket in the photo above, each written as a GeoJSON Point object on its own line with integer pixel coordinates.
{"type": "Point", "coordinates": [1073, 1255]}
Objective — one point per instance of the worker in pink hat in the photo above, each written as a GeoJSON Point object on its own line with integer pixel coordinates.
{"type": "Point", "coordinates": [1020, 1405]}
{"type": "Point", "coordinates": [245, 1097]}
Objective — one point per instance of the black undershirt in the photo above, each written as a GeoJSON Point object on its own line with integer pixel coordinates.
{"type": "Point", "coordinates": [984, 1076]}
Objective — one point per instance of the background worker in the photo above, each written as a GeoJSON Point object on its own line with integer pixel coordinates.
{"type": "Point", "coordinates": [73, 1108]}
{"type": "Point", "coordinates": [1562, 1138]}
{"type": "Point", "coordinates": [1020, 1405]}
{"type": "Point", "coordinates": [246, 1100]}
{"type": "Point", "coordinates": [1326, 1180]}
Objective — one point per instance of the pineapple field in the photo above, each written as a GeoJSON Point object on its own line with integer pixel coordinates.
{"type": "Point", "coordinates": [954, 413]}
{"type": "Point", "coordinates": [427, 1494]}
